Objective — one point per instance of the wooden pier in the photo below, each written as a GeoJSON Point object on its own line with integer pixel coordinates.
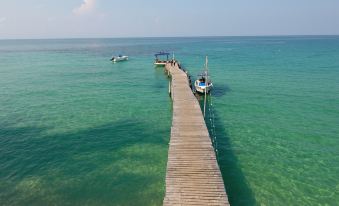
{"type": "Point", "coordinates": [193, 176]}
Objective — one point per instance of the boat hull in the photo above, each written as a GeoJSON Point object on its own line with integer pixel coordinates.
{"type": "Point", "coordinates": [119, 59]}
{"type": "Point", "coordinates": [162, 64]}
{"type": "Point", "coordinates": [201, 89]}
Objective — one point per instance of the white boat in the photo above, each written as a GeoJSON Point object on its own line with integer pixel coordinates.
{"type": "Point", "coordinates": [203, 84]}
{"type": "Point", "coordinates": [119, 58]}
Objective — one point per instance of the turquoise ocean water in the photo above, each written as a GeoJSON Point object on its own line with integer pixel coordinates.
{"type": "Point", "coordinates": [76, 129]}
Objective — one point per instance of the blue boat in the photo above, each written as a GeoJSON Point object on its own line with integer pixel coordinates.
{"type": "Point", "coordinates": [161, 62]}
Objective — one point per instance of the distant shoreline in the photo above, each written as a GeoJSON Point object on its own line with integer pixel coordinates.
{"type": "Point", "coordinates": [172, 37]}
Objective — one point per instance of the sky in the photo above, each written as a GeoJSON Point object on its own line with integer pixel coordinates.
{"type": "Point", "coordinates": [26, 19]}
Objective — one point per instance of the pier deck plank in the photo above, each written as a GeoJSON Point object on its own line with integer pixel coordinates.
{"type": "Point", "coordinates": [193, 176]}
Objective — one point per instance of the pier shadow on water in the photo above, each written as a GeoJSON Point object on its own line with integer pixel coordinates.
{"type": "Point", "coordinates": [120, 163]}
{"type": "Point", "coordinates": [238, 191]}
{"type": "Point", "coordinates": [221, 90]}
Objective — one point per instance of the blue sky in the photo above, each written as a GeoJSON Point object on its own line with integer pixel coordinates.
{"type": "Point", "coordinates": [148, 18]}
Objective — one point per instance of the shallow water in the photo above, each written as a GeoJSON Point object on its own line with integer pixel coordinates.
{"type": "Point", "coordinates": [76, 129]}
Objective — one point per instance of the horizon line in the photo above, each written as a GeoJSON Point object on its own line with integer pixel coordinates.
{"type": "Point", "coordinates": [146, 37]}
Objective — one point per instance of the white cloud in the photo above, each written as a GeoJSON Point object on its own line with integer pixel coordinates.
{"type": "Point", "coordinates": [85, 7]}
{"type": "Point", "coordinates": [2, 19]}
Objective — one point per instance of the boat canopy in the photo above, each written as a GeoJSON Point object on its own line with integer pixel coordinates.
{"type": "Point", "coordinates": [161, 54]}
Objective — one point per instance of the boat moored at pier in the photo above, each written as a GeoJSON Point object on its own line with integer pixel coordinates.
{"type": "Point", "coordinates": [160, 62]}
{"type": "Point", "coordinates": [203, 83]}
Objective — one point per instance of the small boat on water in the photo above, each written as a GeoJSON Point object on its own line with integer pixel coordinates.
{"type": "Point", "coordinates": [161, 62]}
{"type": "Point", "coordinates": [203, 84]}
{"type": "Point", "coordinates": [119, 58]}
